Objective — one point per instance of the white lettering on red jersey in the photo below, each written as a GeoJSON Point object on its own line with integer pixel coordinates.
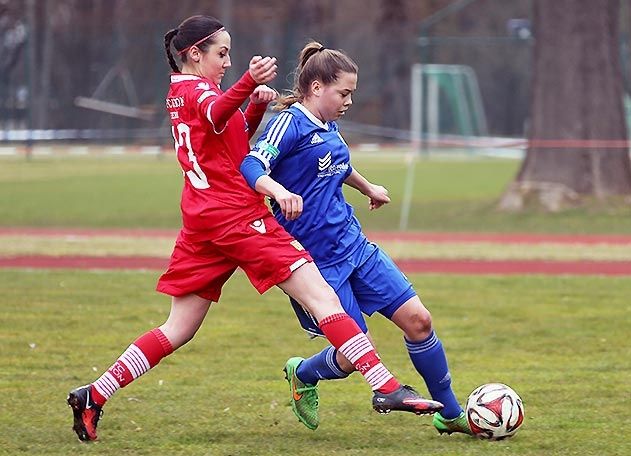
{"type": "Point", "coordinates": [211, 140]}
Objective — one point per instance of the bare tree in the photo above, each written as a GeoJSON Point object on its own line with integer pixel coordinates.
{"type": "Point", "coordinates": [14, 33]}
{"type": "Point", "coordinates": [390, 25]}
{"type": "Point", "coordinates": [577, 138]}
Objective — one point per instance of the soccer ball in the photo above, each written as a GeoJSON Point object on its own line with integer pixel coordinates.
{"type": "Point", "coordinates": [494, 411]}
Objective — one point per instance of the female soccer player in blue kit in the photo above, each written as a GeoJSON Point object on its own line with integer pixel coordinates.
{"type": "Point", "coordinates": [302, 150]}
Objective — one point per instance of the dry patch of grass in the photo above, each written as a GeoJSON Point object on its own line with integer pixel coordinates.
{"type": "Point", "coordinates": [162, 246]}
{"type": "Point", "coordinates": [495, 251]}
{"type": "Point", "coordinates": [86, 245]}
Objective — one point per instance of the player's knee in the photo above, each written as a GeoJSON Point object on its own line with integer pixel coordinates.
{"type": "Point", "coordinates": [418, 325]}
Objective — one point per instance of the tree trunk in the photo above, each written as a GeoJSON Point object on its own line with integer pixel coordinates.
{"type": "Point", "coordinates": [389, 24]}
{"type": "Point", "coordinates": [577, 138]}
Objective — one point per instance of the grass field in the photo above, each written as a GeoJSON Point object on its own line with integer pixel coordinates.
{"type": "Point", "coordinates": [561, 342]}
{"type": "Point", "coordinates": [450, 195]}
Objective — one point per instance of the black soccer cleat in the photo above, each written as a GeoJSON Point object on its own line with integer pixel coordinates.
{"type": "Point", "coordinates": [86, 413]}
{"type": "Point", "coordinates": [405, 399]}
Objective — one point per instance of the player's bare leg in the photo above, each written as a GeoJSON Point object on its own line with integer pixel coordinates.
{"type": "Point", "coordinates": [186, 316]}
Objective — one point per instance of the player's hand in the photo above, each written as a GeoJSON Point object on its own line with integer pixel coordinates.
{"type": "Point", "coordinates": [378, 196]}
{"type": "Point", "coordinates": [263, 94]}
{"type": "Point", "coordinates": [263, 69]}
{"type": "Point", "coordinates": [290, 204]}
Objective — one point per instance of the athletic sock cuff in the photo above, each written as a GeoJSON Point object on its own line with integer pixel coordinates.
{"type": "Point", "coordinates": [419, 347]}
{"type": "Point", "coordinates": [164, 342]}
{"type": "Point", "coordinates": [332, 319]}
{"type": "Point", "coordinates": [331, 361]}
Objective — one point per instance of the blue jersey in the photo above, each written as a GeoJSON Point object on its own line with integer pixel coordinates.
{"type": "Point", "coordinates": [310, 158]}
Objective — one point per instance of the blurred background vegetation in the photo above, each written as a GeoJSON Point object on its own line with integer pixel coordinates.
{"type": "Point", "coordinates": [54, 51]}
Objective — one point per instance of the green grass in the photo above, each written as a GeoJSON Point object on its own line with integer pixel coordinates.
{"type": "Point", "coordinates": [561, 342]}
{"type": "Point", "coordinates": [90, 192]}
{"type": "Point", "coordinates": [449, 195]}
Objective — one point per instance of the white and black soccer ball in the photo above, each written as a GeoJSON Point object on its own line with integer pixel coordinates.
{"type": "Point", "coordinates": [494, 411]}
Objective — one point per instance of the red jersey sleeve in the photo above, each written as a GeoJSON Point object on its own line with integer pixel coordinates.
{"type": "Point", "coordinates": [218, 107]}
{"type": "Point", "coordinates": [253, 116]}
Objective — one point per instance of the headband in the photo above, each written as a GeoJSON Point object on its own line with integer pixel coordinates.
{"type": "Point", "coordinates": [221, 29]}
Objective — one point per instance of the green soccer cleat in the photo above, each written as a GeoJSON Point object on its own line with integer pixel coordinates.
{"type": "Point", "coordinates": [458, 424]}
{"type": "Point", "coordinates": [304, 397]}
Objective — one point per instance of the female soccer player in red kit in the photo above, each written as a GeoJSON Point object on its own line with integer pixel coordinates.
{"type": "Point", "coordinates": [227, 225]}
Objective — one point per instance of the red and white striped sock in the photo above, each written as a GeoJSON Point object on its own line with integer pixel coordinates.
{"type": "Point", "coordinates": [142, 355]}
{"type": "Point", "coordinates": [344, 334]}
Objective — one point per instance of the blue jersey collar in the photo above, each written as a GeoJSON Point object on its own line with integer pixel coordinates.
{"type": "Point", "coordinates": [310, 116]}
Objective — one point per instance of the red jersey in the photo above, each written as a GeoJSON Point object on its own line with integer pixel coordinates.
{"type": "Point", "coordinates": [211, 139]}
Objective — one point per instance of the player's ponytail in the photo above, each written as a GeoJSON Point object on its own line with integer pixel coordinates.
{"type": "Point", "coordinates": [167, 44]}
{"type": "Point", "coordinates": [315, 62]}
{"type": "Point", "coordinates": [307, 52]}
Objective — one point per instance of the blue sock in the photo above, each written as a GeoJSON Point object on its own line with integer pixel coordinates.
{"type": "Point", "coordinates": [321, 366]}
{"type": "Point", "coordinates": [430, 361]}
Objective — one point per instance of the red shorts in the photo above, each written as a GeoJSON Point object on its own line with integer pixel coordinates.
{"type": "Point", "coordinates": [262, 248]}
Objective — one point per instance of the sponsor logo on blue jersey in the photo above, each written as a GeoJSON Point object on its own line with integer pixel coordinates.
{"type": "Point", "coordinates": [328, 169]}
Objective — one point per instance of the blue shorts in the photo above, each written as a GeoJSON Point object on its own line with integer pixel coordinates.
{"type": "Point", "coordinates": [366, 282]}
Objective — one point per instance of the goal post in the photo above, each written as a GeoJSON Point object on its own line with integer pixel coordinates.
{"type": "Point", "coordinates": [445, 100]}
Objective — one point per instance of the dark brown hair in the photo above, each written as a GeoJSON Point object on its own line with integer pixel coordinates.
{"type": "Point", "coordinates": [187, 34]}
{"type": "Point", "coordinates": [315, 62]}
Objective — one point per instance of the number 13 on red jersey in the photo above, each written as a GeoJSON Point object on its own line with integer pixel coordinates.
{"type": "Point", "coordinates": [183, 139]}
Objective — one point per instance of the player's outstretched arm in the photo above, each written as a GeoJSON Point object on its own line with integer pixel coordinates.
{"type": "Point", "coordinates": [260, 98]}
{"type": "Point", "coordinates": [263, 69]}
{"type": "Point", "coordinates": [222, 107]}
{"type": "Point", "coordinates": [377, 194]}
